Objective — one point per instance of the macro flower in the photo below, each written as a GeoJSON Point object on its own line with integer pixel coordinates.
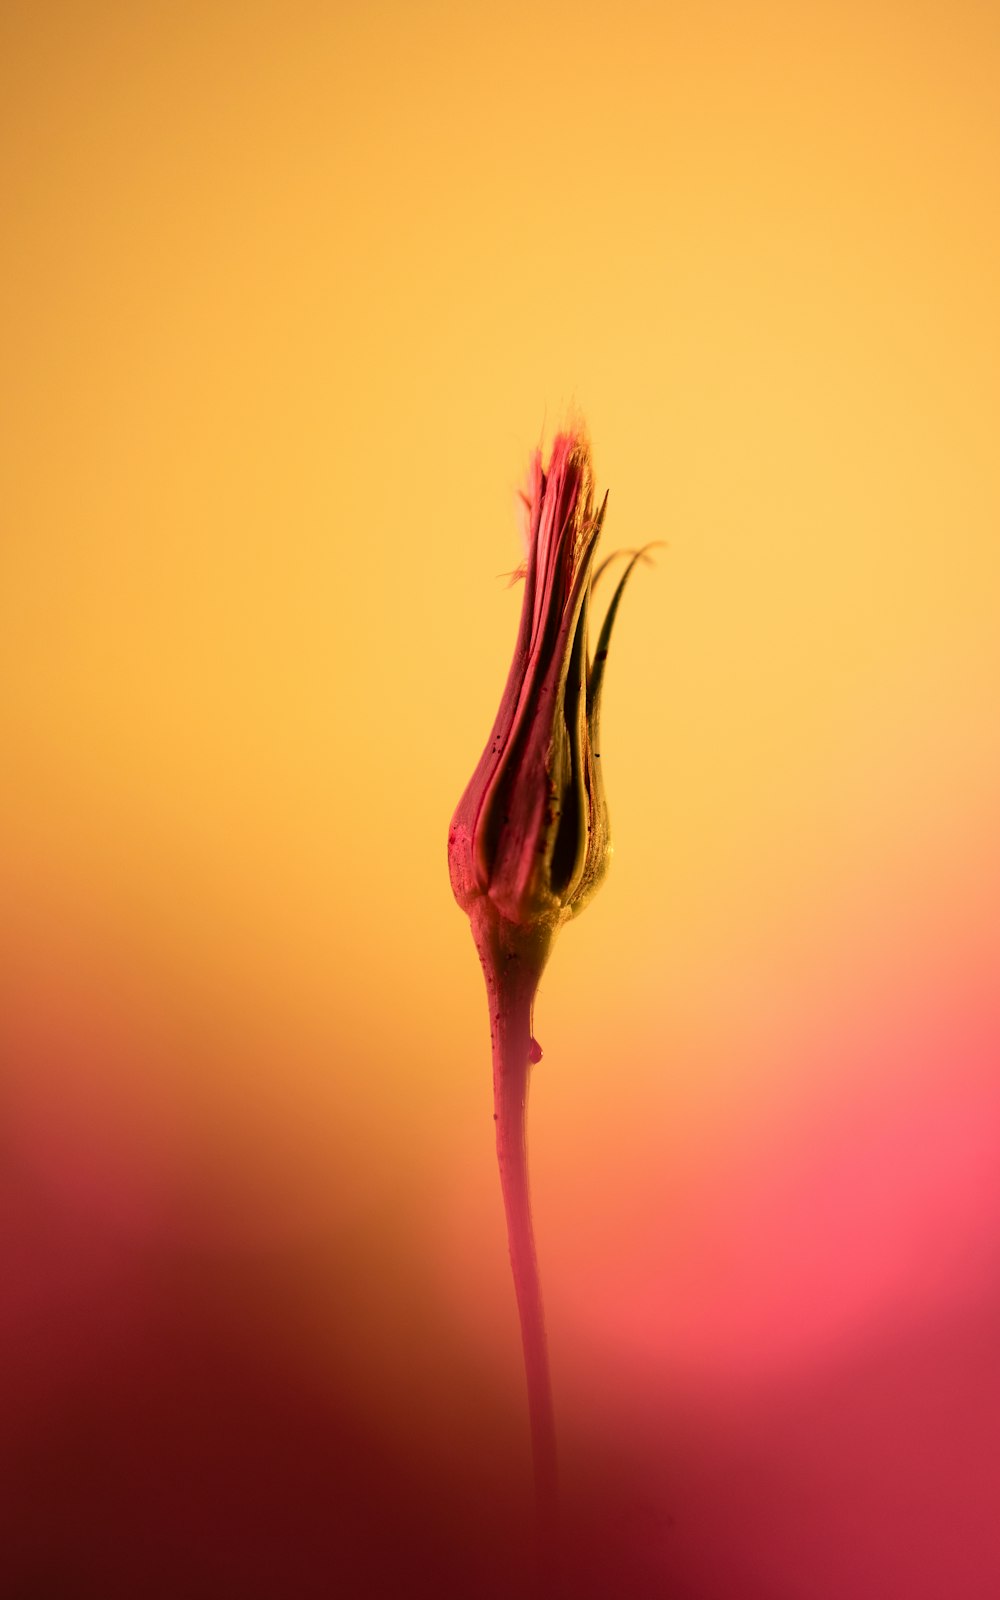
{"type": "Point", "coordinates": [530, 833]}
{"type": "Point", "coordinates": [529, 845]}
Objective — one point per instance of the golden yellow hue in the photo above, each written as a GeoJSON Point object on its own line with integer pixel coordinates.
{"type": "Point", "coordinates": [288, 296]}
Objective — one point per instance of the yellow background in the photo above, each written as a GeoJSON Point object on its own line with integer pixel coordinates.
{"type": "Point", "coordinates": [289, 295]}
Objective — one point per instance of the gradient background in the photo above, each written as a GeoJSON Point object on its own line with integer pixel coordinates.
{"type": "Point", "coordinates": [289, 294]}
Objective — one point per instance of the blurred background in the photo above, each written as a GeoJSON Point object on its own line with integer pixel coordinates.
{"type": "Point", "coordinates": [289, 296]}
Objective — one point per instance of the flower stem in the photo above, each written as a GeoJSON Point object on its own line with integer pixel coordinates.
{"type": "Point", "coordinates": [512, 960]}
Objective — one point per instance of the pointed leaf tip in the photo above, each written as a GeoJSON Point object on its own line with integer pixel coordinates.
{"type": "Point", "coordinates": [595, 681]}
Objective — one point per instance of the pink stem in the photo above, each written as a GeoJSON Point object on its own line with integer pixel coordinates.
{"type": "Point", "coordinates": [512, 963]}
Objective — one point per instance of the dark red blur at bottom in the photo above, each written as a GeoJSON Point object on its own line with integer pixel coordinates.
{"type": "Point", "coordinates": [152, 1447]}
{"type": "Point", "coordinates": [193, 1409]}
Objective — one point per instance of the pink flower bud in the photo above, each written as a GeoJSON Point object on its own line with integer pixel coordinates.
{"type": "Point", "coordinates": [531, 830]}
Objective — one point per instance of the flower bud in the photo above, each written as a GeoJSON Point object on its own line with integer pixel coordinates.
{"type": "Point", "coordinates": [530, 832]}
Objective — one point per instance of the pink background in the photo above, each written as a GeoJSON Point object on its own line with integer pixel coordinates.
{"type": "Point", "coordinates": [289, 296]}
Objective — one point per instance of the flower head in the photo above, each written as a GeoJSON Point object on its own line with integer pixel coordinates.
{"type": "Point", "coordinates": [530, 833]}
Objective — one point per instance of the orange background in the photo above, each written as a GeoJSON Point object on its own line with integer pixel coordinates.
{"type": "Point", "coordinates": [289, 295]}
